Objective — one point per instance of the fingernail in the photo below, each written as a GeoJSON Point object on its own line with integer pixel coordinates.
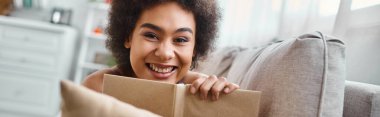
{"type": "Point", "coordinates": [192, 90]}
{"type": "Point", "coordinates": [226, 90]}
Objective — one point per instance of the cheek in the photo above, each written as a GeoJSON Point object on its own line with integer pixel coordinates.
{"type": "Point", "coordinates": [139, 51]}
{"type": "Point", "coordinates": [189, 57]}
{"type": "Point", "coordinates": [186, 56]}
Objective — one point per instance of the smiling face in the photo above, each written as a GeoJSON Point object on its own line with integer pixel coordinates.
{"type": "Point", "coordinates": [162, 43]}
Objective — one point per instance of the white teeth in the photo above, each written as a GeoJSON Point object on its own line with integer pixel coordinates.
{"type": "Point", "coordinates": [160, 70]}
{"type": "Point", "coordinates": [155, 68]}
{"type": "Point", "coordinates": [166, 70]}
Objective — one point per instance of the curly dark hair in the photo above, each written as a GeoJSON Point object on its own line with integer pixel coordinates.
{"type": "Point", "coordinates": [125, 13]}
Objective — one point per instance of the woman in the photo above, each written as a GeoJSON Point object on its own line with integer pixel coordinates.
{"type": "Point", "coordinates": [162, 40]}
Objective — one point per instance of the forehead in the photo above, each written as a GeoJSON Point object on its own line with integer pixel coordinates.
{"type": "Point", "coordinates": [169, 16]}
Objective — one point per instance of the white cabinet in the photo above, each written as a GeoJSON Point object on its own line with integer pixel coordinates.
{"type": "Point", "coordinates": [93, 42]}
{"type": "Point", "coordinates": [34, 57]}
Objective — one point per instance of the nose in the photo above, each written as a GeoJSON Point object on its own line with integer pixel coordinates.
{"type": "Point", "coordinates": [165, 51]}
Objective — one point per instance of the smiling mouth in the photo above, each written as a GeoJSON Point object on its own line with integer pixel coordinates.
{"type": "Point", "coordinates": [161, 69]}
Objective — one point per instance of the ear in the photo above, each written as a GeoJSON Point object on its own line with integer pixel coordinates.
{"type": "Point", "coordinates": [127, 43]}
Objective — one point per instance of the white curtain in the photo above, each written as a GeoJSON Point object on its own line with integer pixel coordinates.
{"type": "Point", "coordinates": [251, 23]}
{"type": "Point", "coordinates": [248, 22]}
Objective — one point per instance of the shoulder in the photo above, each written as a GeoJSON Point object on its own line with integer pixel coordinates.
{"type": "Point", "coordinates": [94, 81]}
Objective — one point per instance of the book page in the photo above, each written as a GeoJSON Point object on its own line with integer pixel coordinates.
{"type": "Point", "coordinates": [180, 100]}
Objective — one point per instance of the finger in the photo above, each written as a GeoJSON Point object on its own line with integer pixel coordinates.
{"type": "Point", "coordinates": [218, 87]}
{"type": "Point", "coordinates": [206, 86]}
{"type": "Point", "coordinates": [231, 87]}
{"type": "Point", "coordinates": [196, 84]}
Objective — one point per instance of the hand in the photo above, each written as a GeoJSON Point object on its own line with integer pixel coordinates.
{"type": "Point", "coordinates": [212, 85]}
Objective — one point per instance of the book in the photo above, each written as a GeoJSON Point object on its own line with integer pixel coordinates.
{"type": "Point", "coordinates": [175, 100]}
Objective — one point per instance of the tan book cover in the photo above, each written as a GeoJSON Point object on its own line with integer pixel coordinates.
{"type": "Point", "coordinates": [175, 100]}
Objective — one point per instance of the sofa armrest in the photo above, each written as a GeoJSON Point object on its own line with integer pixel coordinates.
{"type": "Point", "coordinates": [361, 100]}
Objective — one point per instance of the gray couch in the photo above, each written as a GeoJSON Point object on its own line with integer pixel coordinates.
{"type": "Point", "coordinates": [300, 77]}
{"type": "Point", "coordinates": [361, 100]}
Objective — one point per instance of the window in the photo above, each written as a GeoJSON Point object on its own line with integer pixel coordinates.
{"type": "Point", "coordinates": [358, 4]}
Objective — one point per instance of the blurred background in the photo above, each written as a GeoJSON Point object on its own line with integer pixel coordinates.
{"type": "Point", "coordinates": [43, 41]}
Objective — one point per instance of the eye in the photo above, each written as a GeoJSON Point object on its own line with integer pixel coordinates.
{"type": "Point", "coordinates": [150, 35]}
{"type": "Point", "coordinates": [181, 40]}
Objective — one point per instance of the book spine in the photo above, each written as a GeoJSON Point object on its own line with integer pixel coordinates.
{"type": "Point", "coordinates": [179, 103]}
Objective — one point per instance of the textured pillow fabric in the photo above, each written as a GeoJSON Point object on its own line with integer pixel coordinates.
{"type": "Point", "coordinates": [79, 101]}
{"type": "Point", "coordinates": [220, 62]}
{"type": "Point", "coordinates": [301, 77]}
{"type": "Point", "coordinates": [241, 65]}
{"type": "Point", "coordinates": [361, 100]}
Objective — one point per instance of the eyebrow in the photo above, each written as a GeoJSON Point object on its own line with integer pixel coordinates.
{"type": "Point", "coordinates": [184, 30]}
{"type": "Point", "coordinates": [157, 28]}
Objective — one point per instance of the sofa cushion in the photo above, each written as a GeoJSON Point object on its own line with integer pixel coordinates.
{"type": "Point", "coordinates": [79, 101]}
{"type": "Point", "coordinates": [300, 77]}
{"type": "Point", "coordinates": [220, 62]}
{"type": "Point", "coordinates": [361, 100]}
